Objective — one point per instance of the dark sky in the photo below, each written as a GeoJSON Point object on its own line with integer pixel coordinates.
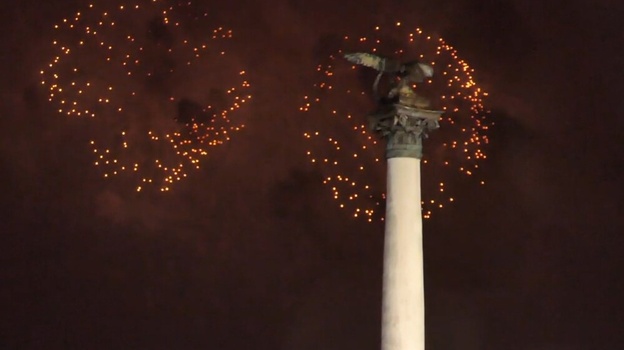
{"type": "Point", "coordinates": [248, 254]}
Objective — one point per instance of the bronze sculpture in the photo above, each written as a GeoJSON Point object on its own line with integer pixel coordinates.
{"type": "Point", "coordinates": [402, 117]}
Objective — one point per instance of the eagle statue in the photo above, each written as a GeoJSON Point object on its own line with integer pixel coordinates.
{"type": "Point", "coordinates": [408, 73]}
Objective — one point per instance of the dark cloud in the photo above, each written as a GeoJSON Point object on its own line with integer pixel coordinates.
{"type": "Point", "coordinates": [249, 253]}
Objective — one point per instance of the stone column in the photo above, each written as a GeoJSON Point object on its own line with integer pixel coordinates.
{"type": "Point", "coordinates": [403, 304]}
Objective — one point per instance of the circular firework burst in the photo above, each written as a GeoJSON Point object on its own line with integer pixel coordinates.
{"type": "Point", "coordinates": [155, 94]}
{"type": "Point", "coordinates": [350, 157]}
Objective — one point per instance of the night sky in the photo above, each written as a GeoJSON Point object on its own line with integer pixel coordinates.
{"type": "Point", "coordinates": [249, 252]}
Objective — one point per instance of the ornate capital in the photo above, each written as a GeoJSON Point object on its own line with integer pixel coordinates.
{"type": "Point", "coordinates": [404, 127]}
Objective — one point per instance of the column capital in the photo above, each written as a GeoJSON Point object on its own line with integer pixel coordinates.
{"type": "Point", "coordinates": [404, 127]}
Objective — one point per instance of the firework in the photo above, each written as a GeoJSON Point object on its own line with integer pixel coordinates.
{"type": "Point", "coordinates": [351, 157]}
{"type": "Point", "coordinates": [157, 97]}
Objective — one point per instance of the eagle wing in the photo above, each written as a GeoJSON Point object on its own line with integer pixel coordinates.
{"type": "Point", "coordinates": [366, 59]}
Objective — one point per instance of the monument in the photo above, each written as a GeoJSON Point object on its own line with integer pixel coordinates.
{"type": "Point", "coordinates": [403, 120]}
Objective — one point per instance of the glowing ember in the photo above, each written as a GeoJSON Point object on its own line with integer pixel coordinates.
{"type": "Point", "coordinates": [156, 95]}
{"type": "Point", "coordinates": [351, 157]}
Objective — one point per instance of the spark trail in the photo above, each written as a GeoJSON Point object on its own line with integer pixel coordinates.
{"type": "Point", "coordinates": [159, 91]}
{"type": "Point", "coordinates": [350, 157]}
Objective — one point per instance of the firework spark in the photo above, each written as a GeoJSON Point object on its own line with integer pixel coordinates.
{"type": "Point", "coordinates": [154, 93]}
{"type": "Point", "coordinates": [351, 157]}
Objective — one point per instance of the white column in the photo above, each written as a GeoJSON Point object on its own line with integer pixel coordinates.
{"type": "Point", "coordinates": [403, 305]}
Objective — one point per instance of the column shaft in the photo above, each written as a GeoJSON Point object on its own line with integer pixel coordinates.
{"type": "Point", "coordinates": [403, 305]}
